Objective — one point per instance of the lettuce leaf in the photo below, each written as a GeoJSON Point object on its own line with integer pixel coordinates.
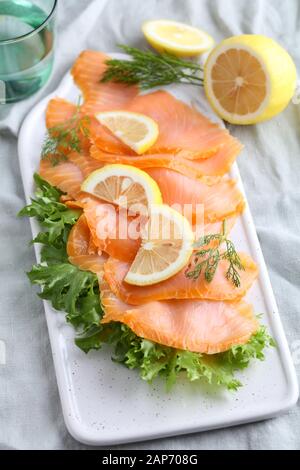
{"type": "Point", "coordinates": [153, 360]}
{"type": "Point", "coordinates": [76, 292]}
{"type": "Point", "coordinates": [71, 290]}
{"type": "Point", "coordinates": [54, 217]}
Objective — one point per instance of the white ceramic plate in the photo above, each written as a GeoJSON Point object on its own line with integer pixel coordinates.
{"type": "Point", "coordinates": [104, 403]}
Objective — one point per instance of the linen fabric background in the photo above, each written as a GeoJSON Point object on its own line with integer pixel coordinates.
{"type": "Point", "coordinates": [30, 411]}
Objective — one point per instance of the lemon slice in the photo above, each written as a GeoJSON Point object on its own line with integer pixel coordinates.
{"type": "Point", "coordinates": [125, 186]}
{"type": "Point", "coordinates": [177, 38]}
{"type": "Point", "coordinates": [167, 245]}
{"type": "Point", "coordinates": [249, 79]}
{"type": "Point", "coordinates": [136, 130]}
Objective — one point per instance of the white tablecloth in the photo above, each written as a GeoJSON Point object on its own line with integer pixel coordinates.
{"type": "Point", "coordinates": [30, 411]}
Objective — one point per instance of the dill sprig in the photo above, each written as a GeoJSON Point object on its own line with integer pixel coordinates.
{"type": "Point", "coordinates": [149, 70]}
{"type": "Point", "coordinates": [65, 137]}
{"type": "Point", "coordinates": [208, 257]}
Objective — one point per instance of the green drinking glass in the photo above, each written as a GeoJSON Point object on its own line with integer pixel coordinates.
{"type": "Point", "coordinates": [27, 35]}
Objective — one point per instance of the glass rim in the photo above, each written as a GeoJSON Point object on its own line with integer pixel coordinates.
{"type": "Point", "coordinates": [34, 31]}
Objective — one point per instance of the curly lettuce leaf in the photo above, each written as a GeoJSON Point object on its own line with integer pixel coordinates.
{"type": "Point", "coordinates": [71, 290]}
{"type": "Point", "coordinates": [54, 217]}
{"type": "Point", "coordinates": [153, 360]}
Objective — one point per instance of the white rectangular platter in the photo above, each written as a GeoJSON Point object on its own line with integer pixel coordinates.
{"type": "Point", "coordinates": [104, 403]}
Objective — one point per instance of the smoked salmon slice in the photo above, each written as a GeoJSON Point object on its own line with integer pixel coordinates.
{"type": "Point", "coordinates": [92, 263]}
{"type": "Point", "coordinates": [182, 129]}
{"type": "Point", "coordinates": [112, 230]}
{"type": "Point", "coordinates": [179, 286]}
{"type": "Point", "coordinates": [199, 326]}
{"type": "Point", "coordinates": [79, 239]}
{"type": "Point", "coordinates": [87, 73]}
{"type": "Point", "coordinates": [217, 165]}
{"type": "Point", "coordinates": [219, 201]}
{"type": "Point", "coordinates": [68, 175]}
{"type": "Point", "coordinates": [59, 111]}
{"type": "Point", "coordinates": [118, 235]}
{"type": "Point", "coordinates": [81, 249]}
{"type": "Point", "coordinates": [62, 114]}
{"type": "Point", "coordinates": [84, 162]}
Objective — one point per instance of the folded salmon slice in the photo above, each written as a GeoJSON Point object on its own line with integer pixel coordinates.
{"type": "Point", "coordinates": [68, 175]}
{"type": "Point", "coordinates": [59, 111]}
{"type": "Point", "coordinates": [87, 73]}
{"type": "Point", "coordinates": [112, 230]}
{"type": "Point", "coordinates": [219, 201]}
{"type": "Point", "coordinates": [217, 165]}
{"type": "Point", "coordinates": [118, 234]}
{"type": "Point", "coordinates": [182, 129]}
{"type": "Point", "coordinates": [82, 251]}
{"type": "Point", "coordinates": [199, 326]}
{"type": "Point", "coordinates": [179, 286]}
{"type": "Point", "coordinates": [63, 114]}
{"type": "Point", "coordinates": [84, 162]}
{"type": "Point", "coordinates": [92, 263]}
{"type": "Point", "coordinates": [80, 241]}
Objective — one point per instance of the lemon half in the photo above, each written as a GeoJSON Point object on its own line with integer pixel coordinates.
{"type": "Point", "coordinates": [249, 79]}
{"type": "Point", "coordinates": [177, 38]}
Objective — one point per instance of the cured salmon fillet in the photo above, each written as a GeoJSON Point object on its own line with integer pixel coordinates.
{"type": "Point", "coordinates": [87, 72]}
{"type": "Point", "coordinates": [79, 241]}
{"type": "Point", "coordinates": [198, 326]}
{"type": "Point", "coordinates": [93, 263]}
{"type": "Point", "coordinates": [64, 114]}
{"type": "Point", "coordinates": [182, 129]}
{"type": "Point", "coordinates": [81, 249]}
{"type": "Point", "coordinates": [59, 111]}
{"type": "Point", "coordinates": [217, 165]}
{"type": "Point", "coordinates": [68, 175]}
{"type": "Point", "coordinates": [118, 235]}
{"type": "Point", "coordinates": [84, 162]}
{"type": "Point", "coordinates": [179, 286]}
{"type": "Point", "coordinates": [219, 201]}
{"type": "Point", "coordinates": [112, 230]}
